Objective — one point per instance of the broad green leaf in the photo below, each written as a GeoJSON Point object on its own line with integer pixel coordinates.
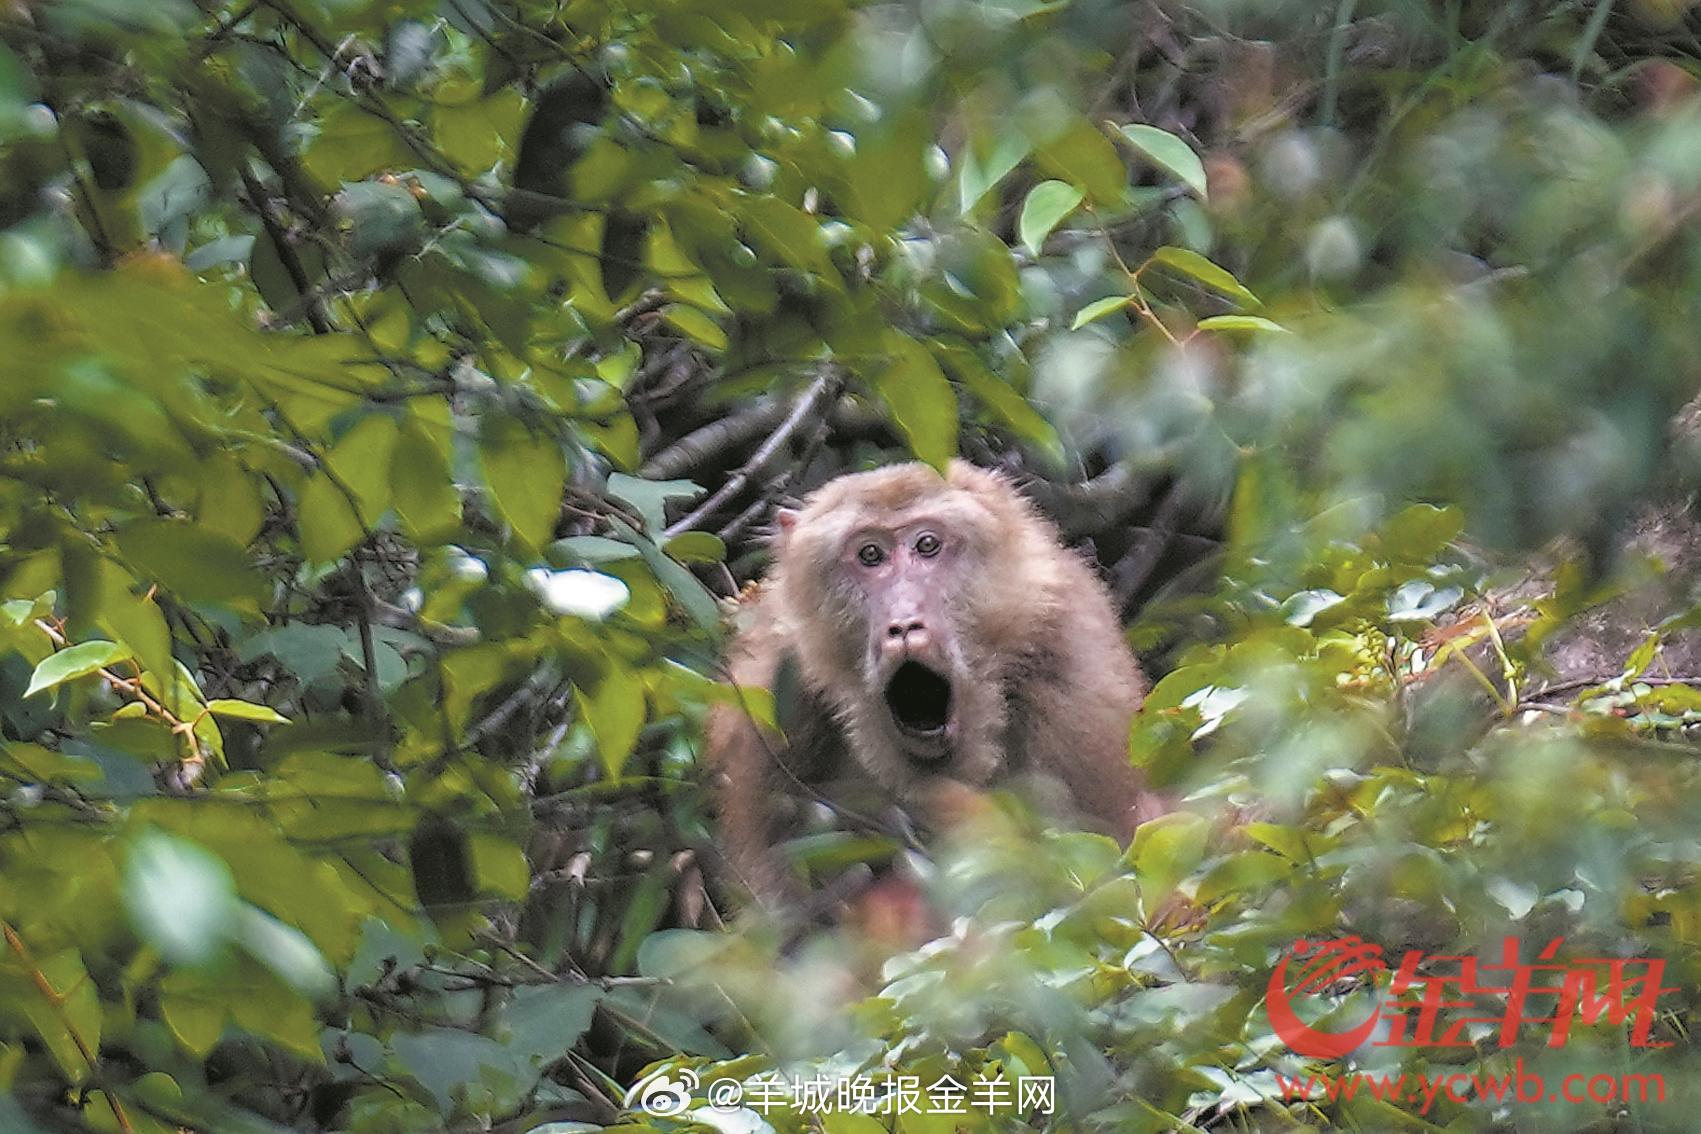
{"type": "Point", "coordinates": [192, 1005]}
{"type": "Point", "coordinates": [230, 501]}
{"type": "Point", "coordinates": [589, 550]}
{"type": "Point", "coordinates": [45, 766]}
{"type": "Point", "coordinates": [695, 325]}
{"type": "Point", "coordinates": [1081, 156]}
{"type": "Point", "coordinates": [887, 181]}
{"type": "Point", "coordinates": [193, 562]}
{"type": "Point", "coordinates": [1241, 323]}
{"type": "Point", "coordinates": [543, 1021]}
{"type": "Point", "coordinates": [421, 485]}
{"type": "Point", "coordinates": [987, 161]}
{"type": "Point", "coordinates": [614, 710]}
{"type": "Point", "coordinates": [1097, 310]}
{"type": "Point", "coordinates": [353, 143]}
{"type": "Point", "coordinates": [999, 398]}
{"type": "Point", "coordinates": [270, 1010]}
{"type": "Point", "coordinates": [70, 1024]}
{"type": "Point", "coordinates": [650, 497]}
{"type": "Point", "coordinates": [920, 399]}
{"type": "Point", "coordinates": [1302, 608]}
{"type": "Point", "coordinates": [1169, 153]}
{"type": "Point", "coordinates": [73, 662]}
{"type": "Point", "coordinates": [499, 866]}
{"type": "Point", "coordinates": [245, 711]}
{"type": "Point", "coordinates": [101, 598]}
{"type": "Point", "coordinates": [1198, 268]}
{"type": "Point", "coordinates": [451, 1063]}
{"type": "Point", "coordinates": [787, 234]}
{"type": "Point", "coordinates": [1047, 204]}
{"type": "Point", "coordinates": [526, 474]}
{"type": "Point", "coordinates": [1166, 850]}
{"type": "Point", "coordinates": [361, 459]}
{"type": "Point", "coordinates": [476, 134]}
{"type": "Point", "coordinates": [696, 547]}
{"type": "Point", "coordinates": [685, 588]}
{"type": "Point", "coordinates": [329, 526]}
{"type": "Point", "coordinates": [1419, 531]}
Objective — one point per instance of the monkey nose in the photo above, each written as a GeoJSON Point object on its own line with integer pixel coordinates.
{"type": "Point", "coordinates": [907, 635]}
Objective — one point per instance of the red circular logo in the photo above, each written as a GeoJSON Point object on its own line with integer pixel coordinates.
{"type": "Point", "coordinates": [1331, 961]}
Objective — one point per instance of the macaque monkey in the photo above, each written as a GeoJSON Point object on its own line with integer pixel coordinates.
{"type": "Point", "coordinates": [931, 635]}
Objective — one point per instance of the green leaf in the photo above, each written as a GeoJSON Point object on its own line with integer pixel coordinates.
{"type": "Point", "coordinates": [1196, 267]}
{"type": "Point", "coordinates": [614, 710]}
{"type": "Point", "coordinates": [70, 1024]}
{"type": "Point", "coordinates": [650, 497]}
{"type": "Point", "coordinates": [192, 1006]}
{"type": "Point", "coordinates": [358, 466]}
{"type": "Point", "coordinates": [1097, 310]}
{"type": "Point", "coordinates": [245, 711]}
{"type": "Point", "coordinates": [693, 598]}
{"type": "Point", "coordinates": [1643, 655]}
{"type": "Point", "coordinates": [451, 1063]}
{"type": "Point", "coordinates": [1047, 204]}
{"type": "Point", "coordinates": [269, 1009]}
{"type": "Point", "coordinates": [193, 562]}
{"type": "Point", "coordinates": [1169, 153]}
{"type": "Point", "coordinates": [499, 866]}
{"type": "Point", "coordinates": [545, 1020]}
{"type": "Point", "coordinates": [526, 474]}
{"type": "Point", "coordinates": [353, 143]}
{"type": "Point", "coordinates": [696, 547]}
{"type": "Point", "coordinates": [695, 325]}
{"type": "Point", "coordinates": [787, 234]}
{"type": "Point", "coordinates": [1081, 156]}
{"type": "Point", "coordinates": [999, 398]}
{"type": "Point", "coordinates": [476, 134]}
{"type": "Point", "coordinates": [588, 550]}
{"type": "Point", "coordinates": [1419, 531]}
{"type": "Point", "coordinates": [74, 662]}
{"type": "Point", "coordinates": [1165, 851]}
{"type": "Point", "coordinates": [421, 485]}
{"type": "Point", "coordinates": [887, 181]}
{"type": "Point", "coordinates": [1241, 323]}
{"type": "Point", "coordinates": [329, 526]}
{"type": "Point", "coordinates": [1302, 608]}
{"type": "Point", "coordinates": [920, 399]}
{"type": "Point", "coordinates": [985, 162]}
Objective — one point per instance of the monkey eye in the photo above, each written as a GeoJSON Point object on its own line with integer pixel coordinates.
{"type": "Point", "coordinates": [870, 555]}
{"type": "Point", "coordinates": [927, 544]}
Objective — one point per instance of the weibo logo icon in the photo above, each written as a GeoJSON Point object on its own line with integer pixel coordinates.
{"type": "Point", "coordinates": [1331, 961]}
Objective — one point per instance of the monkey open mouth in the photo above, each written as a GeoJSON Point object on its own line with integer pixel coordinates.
{"type": "Point", "coordinates": [920, 701]}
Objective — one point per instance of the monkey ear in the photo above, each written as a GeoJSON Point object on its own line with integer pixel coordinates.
{"type": "Point", "coordinates": [785, 519]}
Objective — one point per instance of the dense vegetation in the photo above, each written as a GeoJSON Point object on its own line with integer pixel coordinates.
{"type": "Point", "coordinates": [394, 390]}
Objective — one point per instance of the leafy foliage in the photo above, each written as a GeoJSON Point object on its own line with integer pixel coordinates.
{"type": "Point", "coordinates": [368, 369]}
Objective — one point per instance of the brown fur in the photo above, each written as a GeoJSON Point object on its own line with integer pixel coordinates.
{"type": "Point", "coordinates": [1043, 685]}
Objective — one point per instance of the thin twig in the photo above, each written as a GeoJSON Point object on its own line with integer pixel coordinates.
{"type": "Point", "coordinates": [822, 391]}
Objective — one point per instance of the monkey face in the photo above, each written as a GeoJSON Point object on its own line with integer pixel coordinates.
{"type": "Point", "coordinates": [894, 585]}
{"type": "Point", "coordinates": [901, 579]}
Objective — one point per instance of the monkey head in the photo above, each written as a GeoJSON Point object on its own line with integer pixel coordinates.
{"type": "Point", "coordinates": [910, 603]}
